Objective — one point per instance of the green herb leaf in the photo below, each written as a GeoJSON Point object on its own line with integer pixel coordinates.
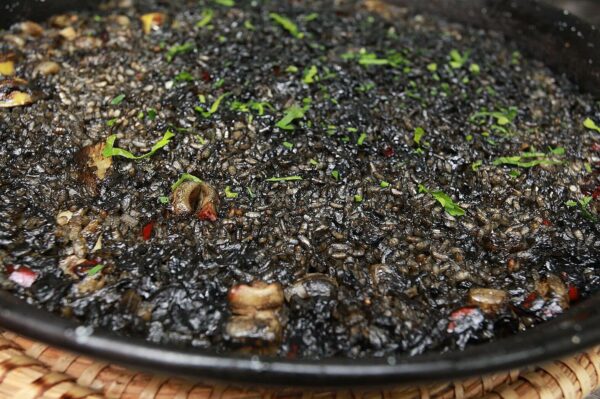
{"type": "Point", "coordinates": [249, 25]}
{"type": "Point", "coordinates": [571, 203]}
{"type": "Point", "coordinates": [503, 117]}
{"type": "Point", "coordinates": [418, 135]}
{"type": "Point", "coordinates": [590, 124]}
{"type": "Point", "coordinates": [361, 139]}
{"type": "Point", "coordinates": [309, 75]}
{"type": "Point", "coordinates": [95, 270]}
{"type": "Point", "coordinates": [475, 165]}
{"type": "Point", "coordinates": [291, 69]}
{"type": "Point", "coordinates": [458, 60]}
{"type": "Point", "coordinates": [250, 192]}
{"type": "Point", "coordinates": [183, 178]}
{"type": "Point", "coordinates": [226, 3]}
{"type": "Point", "coordinates": [291, 114]}
{"type": "Point", "coordinates": [213, 108]}
{"type": "Point", "coordinates": [151, 113]}
{"type": "Point", "coordinates": [432, 67]}
{"type": "Point", "coordinates": [313, 162]}
{"type": "Point", "coordinates": [287, 24]}
{"type": "Point", "coordinates": [557, 150]}
{"type": "Point", "coordinates": [179, 49]}
{"type": "Point", "coordinates": [288, 145]}
{"type": "Point", "coordinates": [111, 151]}
{"type": "Point", "coordinates": [111, 122]}
{"type": "Point", "coordinates": [475, 69]}
{"type": "Point", "coordinates": [311, 17]}
{"type": "Point", "coordinates": [358, 198]}
{"type": "Point", "coordinates": [384, 184]}
{"type": "Point", "coordinates": [530, 159]}
{"type": "Point", "coordinates": [207, 16]}
{"type": "Point", "coordinates": [118, 99]}
{"type": "Point", "coordinates": [229, 193]}
{"type": "Point", "coordinates": [287, 178]}
{"type": "Point", "coordinates": [335, 174]}
{"type": "Point", "coordinates": [163, 199]}
{"type": "Point", "coordinates": [184, 77]}
{"type": "Point", "coordinates": [449, 206]}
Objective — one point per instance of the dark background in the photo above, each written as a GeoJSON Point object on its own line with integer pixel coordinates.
{"type": "Point", "coordinates": [586, 9]}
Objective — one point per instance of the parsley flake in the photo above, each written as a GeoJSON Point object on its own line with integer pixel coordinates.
{"type": "Point", "coordinates": [445, 201]}
{"type": "Point", "coordinates": [281, 179]}
{"type": "Point", "coordinates": [590, 124]}
{"type": "Point", "coordinates": [291, 114]}
{"type": "Point", "coordinates": [111, 151]}
{"type": "Point", "coordinates": [177, 49]}
{"type": "Point", "coordinates": [229, 193]}
{"type": "Point", "coordinates": [213, 108]}
{"type": "Point", "coordinates": [183, 178]}
{"type": "Point", "coordinates": [287, 24]}
{"type": "Point", "coordinates": [118, 99]}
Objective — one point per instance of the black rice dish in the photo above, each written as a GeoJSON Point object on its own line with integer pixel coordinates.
{"type": "Point", "coordinates": [301, 179]}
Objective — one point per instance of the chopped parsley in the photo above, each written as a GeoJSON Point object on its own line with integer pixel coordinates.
{"type": "Point", "coordinates": [449, 206]}
{"type": "Point", "coordinates": [335, 174]}
{"type": "Point", "coordinates": [207, 16]}
{"type": "Point", "coordinates": [229, 193]}
{"type": "Point", "coordinates": [184, 77]}
{"type": "Point", "coordinates": [384, 184]}
{"type": "Point", "coordinates": [287, 24]}
{"type": "Point", "coordinates": [151, 113]}
{"type": "Point", "coordinates": [226, 3]}
{"type": "Point", "coordinates": [118, 99]}
{"type": "Point", "coordinates": [291, 114]}
{"type": "Point", "coordinates": [310, 74]}
{"type": "Point", "coordinates": [249, 25]}
{"type": "Point", "coordinates": [288, 145]}
{"type": "Point", "coordinates": [531, 159]}
{"type": "Point", "coordinates": [95, 270]}
{"type": "Point", "coordinates": [432, 67]}
{"type": "Point", "coordinates": [163, 199]}
{"type": "Point", "coordinates": [111, 122]}
{"type": "Point", "coordinates": [584, 206]}
{"type": "Point", "coordinates": [418, 135]}
{"type": "Point", "coordinates": [313, 162]}
{"type": "Point", "coordinates": [177, 49]}
{"type": "Point", "coordinates": [258, 106]}
{"type": "Point", "coordinates": [183, 178]}
{"type": "Point", "coordinates": [358, 198]}
{"type": "Point", "coordinates": [503, 117]}
{"type": "Point", "coordinates": [475, 165]}
{"type": "Point", "coordinates": [291, 69]}
{"type": "Point", "coordinates": [475, 69]}
{"type": "Point", "coordinates": [311, 17]}
{"type": "Point", "coordinates": [111, 151]}
{"type": "Point", "coordinates": [458, 60]}
{"type": "Point", "coordinates": [250, 192]}
{"type": "Point", "coordinates": [287, 178]}
{"type": "Point", "coordinates": [213, 108]}
{"type": "Point", "coordinates": [590, 124]}
{"type": "Point", "coordinates": [365, 58]}
{"type": "Point", "coordinates": [361, 139]}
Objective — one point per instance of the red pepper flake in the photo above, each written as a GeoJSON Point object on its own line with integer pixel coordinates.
{"type": "Point", "coordinates": [529, 300]}
{"type": "Point", "coordinates": [546, 222]}
{"type": "Point", "coordinates": [596, 193]}
{"type": "Point", "coordinates": [458, 315]}
{"type": "Point", "coordinates": [573, 293]}
{"type": "Point", "coordinates": [147, 231]}
{"type": "Point", "coordinates": [208, 213]}
{"type": "Point", "coordinates": [21, 275]}
{"type": "Point", "coordinates": [206, 76]}
{"type": "Point", "coordinates": [388, 152]}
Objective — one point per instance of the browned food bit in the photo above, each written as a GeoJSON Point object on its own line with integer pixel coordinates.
{"type": "Point", "coordinates": [14, 93]}
{"type": "Point", "coordinates": [46, 68]}
{"type": "Point", "coordinates": [490, 301]}
{"type": "Point", "coordinates": [63, 20]}
{"type": "Point", "coordinates": [249, 299]}
{"type": "Point", "coordinates": [7, 64]}
{"type": "Point", "coordinates": [31, 28]}
{"type": "Point", "coordinates": [68, 33]}
{"type": "Point", "coordinates": [92, 165]}
{"type": "Point", "coordinates": [200, 197]}
{"type": "Point", "coordinates": [152, 21]}
{"type": "Point", "coordinates": [312, 285]}
{"type": "Point", "coordinates": [259, 328]}
{"type": "Point", "coordinates": [552, 287]}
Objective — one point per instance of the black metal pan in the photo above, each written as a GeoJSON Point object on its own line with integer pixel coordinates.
{"type": "Point", "coordinates": [561, 41]}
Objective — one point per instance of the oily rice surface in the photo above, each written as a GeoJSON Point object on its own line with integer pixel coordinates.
{"type": "Point", "coordinates": [381, 108]}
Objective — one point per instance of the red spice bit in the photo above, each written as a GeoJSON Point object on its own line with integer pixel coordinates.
{"type": "Point", "coordinates": [596, 147]}
{"type": "Point", "coordinates": [529, 300]}
{"type": "Point", "coordinates": [596, 193]}
{"type": "Point", "coordinates": [388, 152]}
{"type": "Point", "coordinates": [206, 76]}
{"type": "Point", "coordinates": [573, 293]}
{"type": "Point", "coordinates": [293, 352]}
{"type": "Point", "coordinates": [82, 268]}
{"type": "Point", "coordinates": [147, 231]}
{"type": "Point", "coordinates": [21, 275]}
{"type": "Point", "coordinates": [208, 213]}
{"type": "Point", "coordinates": [458, 315]}
{"type": "Point", "coordinates": [546, 222]}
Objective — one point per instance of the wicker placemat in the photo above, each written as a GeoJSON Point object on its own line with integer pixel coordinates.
{"type": "Point", "coordinates": [33, 370]}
